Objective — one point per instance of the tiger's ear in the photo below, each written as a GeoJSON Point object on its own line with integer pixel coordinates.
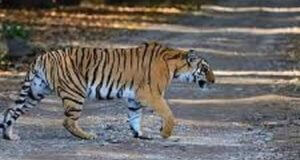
{"type": "Point", "coordinates": [191, 56]}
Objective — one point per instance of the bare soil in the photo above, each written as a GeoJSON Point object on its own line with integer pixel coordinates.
{"type": "Point", "coordinates": [248, 114]}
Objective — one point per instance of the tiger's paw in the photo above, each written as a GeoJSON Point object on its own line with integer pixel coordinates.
{"type": "Point", "coordinates": [165, 133]}
{"type": "Point", "coordinates": [142, 136]}
{"type": "Point", "coordinates": [89, 136]}
{"type": "Point", "coordinates": [12, 137]}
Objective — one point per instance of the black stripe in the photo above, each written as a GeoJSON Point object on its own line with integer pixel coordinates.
{"type": "Point", "coordinates": [82, 57]}
{"type": "Point", "coordinates": [107, 52]}
{"type": "Point", "coordinates": [86, 77]}
{"type": "Point", "coordinates": [95, 56]}
{"type": "Point", "coordinates": [56, 56]}
{"type": "Point", "coordinates": [106, 59]}
{"type": "Point", "coordinates": [74, 110]}
{"type": "Point", "coordinates": [73, 100]}
{"type": "Point", "coordinates": [25, 87]}
{"type": "Point", "coordinates": [22, 95]}
{"type": "Point", "coordinates": [20, 110]}
{"type": "Point", "coordinates": [109, 90]}
{"type": "Point", "coordinates": [137, 58]}
{"type": "Point", "coordinates": [25, 106]}
{"type": "Point", "coordinates": [69, 114]}
{"type": "Point", "coordinates": [131, 57]}
{"type": "Point", "coordinates": [71, 89]}
{"type": "Point", "coordinates": [31, 103]}
{"type": "Point", "coordinates": [19, 101]}
{"type": "Point", "coordinates": [144, 54]}
{"type": "Point", "coordinates": [45, 68]}
{"type": "Point", "coordinates": [150, 63]}
{"type": "Point", "coordinates": [158, 50]}
{"type": "Point", "coordinates": [71, 78]}
{"type": "Point", "coordinates": [61, 62]}
{"type": "Point", "coordinates": [99, 86]}
{"type": "Point", "coordinates": [88, 59]}
{"type": "Point", "coordinates": [76, 55]}
{"type": "Point", "coordinates": [168, 68]}
{"type": "Point", "coordinates": [76, 73]}
{"type": "Point", "coordinates": [10, 110]}
{"type": "Point", "coordinates": [162, 52]}
{"type": "Point", "coordinates": [119, 60]}
{"type": "Point", "coordinates": [125, 57]}
{"type": "Point", "coordinates": [98, 94]}
{"type": "Point", "coordinates": [159, 89]}
{"type": "Point", "coordinates": [88, 63]}
{"type": "Point", "coordinates": [52, 72]}
{"type": "Point", "coordinates": [119, 80]}
{"type": "Point", "coordinates": [96, 69]}
{"type": "Point", "coordinates": [134, 109]}
{"type": "Point", "coordinates": [15, 116]}
{"type": "Point", "coordinates": [120, 91]}
{"type": "Point", "coordinates": [176, 56]}
{"type": "Point", "coordinates": [17, 113]}
{"type": "Point", "coordinates": [9, 123]}
{"type": "Point", "coordinates": [131, 83]}
{"type": "Point", "coordinates": [31, 96]}
{"type": "Point", "coordinates": [111, 69]}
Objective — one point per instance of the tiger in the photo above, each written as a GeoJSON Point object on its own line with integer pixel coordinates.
{"type": "Point", "coordinates": [139, 75]}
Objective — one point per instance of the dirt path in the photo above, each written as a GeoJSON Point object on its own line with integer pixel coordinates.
{"type": "Point", "coordinates": [244, 116]}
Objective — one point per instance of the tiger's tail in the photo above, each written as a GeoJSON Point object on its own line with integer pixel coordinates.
{"type": "Point", "coordinates": [19, 107]}
{"type": "Point", "coordinates": [26, 100]}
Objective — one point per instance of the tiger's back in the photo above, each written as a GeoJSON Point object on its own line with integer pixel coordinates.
{"type": "Point", "coordinates": [100, 72]}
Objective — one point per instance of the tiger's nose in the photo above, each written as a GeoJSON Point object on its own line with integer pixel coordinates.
{"type": "Point", "coordinates": [213, 81]}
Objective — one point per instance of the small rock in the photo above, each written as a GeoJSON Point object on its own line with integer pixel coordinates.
{"type": "Point", "coordinates": [142, 144]}
{"type": "Point", "coordinates": [114, 141]}
{"type": "Point", "coordinates": [296, 122]}
{"type": "Point", "coordinates": [109, 127]}
{"type": "Point", "coordinates": [250, 128]}
{"type": "Point", "coordinates": [273, 124]}
{"type": "Point", "coordinates": [238, 89]}
{"type": "Point", "coordinates": [182, 148]}
{"type": "Point", "coordinates": [167, 145]}
{"type": "Point", "coordinates": [175, 139]}
{"type": "Point", "coordinates": [267, 139]}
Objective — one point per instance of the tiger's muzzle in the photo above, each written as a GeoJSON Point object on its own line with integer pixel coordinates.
{"type": "Point", "coordinates": [210, 79]}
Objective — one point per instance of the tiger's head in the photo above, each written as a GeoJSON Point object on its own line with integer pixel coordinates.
{"type": "Point", "coordinates": [195, 69]}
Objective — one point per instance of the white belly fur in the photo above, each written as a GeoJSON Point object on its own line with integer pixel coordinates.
{"type": "Point", "coordinates": [126, 93]}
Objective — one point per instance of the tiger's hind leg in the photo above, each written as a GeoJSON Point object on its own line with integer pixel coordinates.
{"type": "Point", "coordinates": [72, 112]}
{"type": "Point", "coordinates": [134, 117]}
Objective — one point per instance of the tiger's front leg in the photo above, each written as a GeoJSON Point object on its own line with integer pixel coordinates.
{"type": "Point", "coordinates": [162, 109]}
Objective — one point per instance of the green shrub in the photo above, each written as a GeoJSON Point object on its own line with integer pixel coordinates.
{"type": "Point", "coordinates": [10, 30]}
{"type": "Point", "coordinates": [14, 30]}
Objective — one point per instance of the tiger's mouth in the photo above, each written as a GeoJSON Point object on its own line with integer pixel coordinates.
{"type": "Point", "coordinates": [201, 83]}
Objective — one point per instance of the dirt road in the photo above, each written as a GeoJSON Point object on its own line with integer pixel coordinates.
{"type": "Point", "coordinates": [247, 115]}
